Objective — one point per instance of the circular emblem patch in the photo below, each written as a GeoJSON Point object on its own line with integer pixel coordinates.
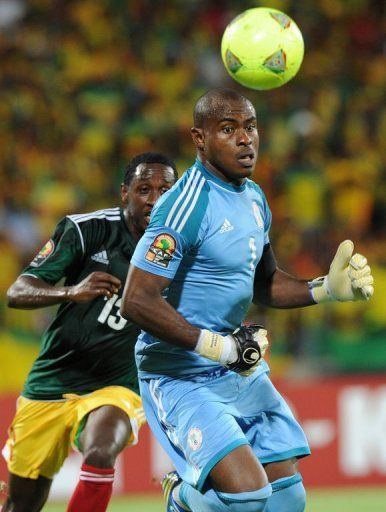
{"type": "Point", "coordinates": [251, 355]}
{"type": "Point", "coordinates": [195, 439]}
{"type": "Point", "coordinates": [43, 254]}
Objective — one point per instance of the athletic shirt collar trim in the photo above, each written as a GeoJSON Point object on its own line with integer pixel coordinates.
{"type": "Point", "coordinates": [211, 177]}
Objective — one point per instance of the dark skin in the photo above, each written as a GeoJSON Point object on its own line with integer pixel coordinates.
{"type": "Point", "coordinates": [227, 144]}
{"type": "Point", "coordinates": [108, 428]}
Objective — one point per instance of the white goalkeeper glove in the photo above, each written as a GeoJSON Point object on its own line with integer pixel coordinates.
{"type": "Point", "coordinates": [240, 351]}
{"type": "Point", "coordinates": [349, 278]}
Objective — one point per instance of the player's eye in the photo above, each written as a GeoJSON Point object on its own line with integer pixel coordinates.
{"type": "Point", "coordinates": [227, 129]}
{"type": "Point", "coordinates": [144, 190]}
{"type": "Point", "coordinates": [164, 189]}
{"type": "Point", "coordinates": [251, 127]}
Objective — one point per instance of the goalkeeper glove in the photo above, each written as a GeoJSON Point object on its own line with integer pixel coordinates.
{"type": "Point", "coordinates": [349, 278]}
{"type": "Point", "coordinates": [240, 351]}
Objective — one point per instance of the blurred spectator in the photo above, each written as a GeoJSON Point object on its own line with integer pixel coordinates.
{"type": "Point", "coordinates": [85, 85]}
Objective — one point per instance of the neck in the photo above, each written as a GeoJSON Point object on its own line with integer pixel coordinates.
{"type": "Point", "coordinates": [219, 173]}
{"type": "Point", "coordinates": [134, 230]}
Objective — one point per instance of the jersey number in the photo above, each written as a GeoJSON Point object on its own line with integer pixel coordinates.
{"type": "Point", "coordinates": [113, 319]}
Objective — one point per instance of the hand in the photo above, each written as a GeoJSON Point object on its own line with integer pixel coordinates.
{"type": "Point", "coordinates": [249, 338]}
{"type": "Point", "coordinates": [94, 285]}
{"type": "Point", "coordinates": [240, 351]}
{"type": "Point", "coordinates": [349, 278]}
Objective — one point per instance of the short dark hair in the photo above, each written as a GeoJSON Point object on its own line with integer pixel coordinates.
{"type": "Point", "coordinates": [211, 103]}
{"type": "Point", "coordinates": [147, 158]}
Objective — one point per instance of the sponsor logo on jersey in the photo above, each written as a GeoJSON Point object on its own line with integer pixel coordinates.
{"type": "Point", "coordinates": [101, 257]}
{"type": "Point", "coordinates": [258, 217]}
{"type": "Point", "coordinates": [195, 438]}
{"type": "Point", "coordinates": [227, 226]}
{"type": "Point", "coordinates": [161, 250]}
{"type": "Point", "coordinates": [43, 254]}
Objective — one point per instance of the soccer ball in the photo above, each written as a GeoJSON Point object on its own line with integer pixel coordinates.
{"type": "Point", "coordinates": [262, 48]}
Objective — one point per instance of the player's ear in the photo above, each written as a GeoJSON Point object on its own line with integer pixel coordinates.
{"type": "Point", "coordinates": [198, 138]}
{"type": "Point", "coordinates": [124, 193]}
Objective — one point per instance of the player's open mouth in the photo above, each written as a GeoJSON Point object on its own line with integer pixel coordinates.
{"type": "Point", "coordinates": [147, 217]}
{"type": "Point", "coordinates": [246, 158]}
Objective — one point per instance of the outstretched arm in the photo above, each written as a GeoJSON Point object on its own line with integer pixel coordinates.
{"type": "Point", "coordinates": [29, 292]}
{"type": "Point", "coordinates": [348, 279]}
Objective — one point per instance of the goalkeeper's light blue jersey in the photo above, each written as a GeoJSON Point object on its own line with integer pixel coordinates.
{"type": "Point", "coordinates": [208, 237]}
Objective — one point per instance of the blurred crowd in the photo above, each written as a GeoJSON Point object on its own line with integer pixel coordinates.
{"type": "Point", "coordinates": [86, 85]}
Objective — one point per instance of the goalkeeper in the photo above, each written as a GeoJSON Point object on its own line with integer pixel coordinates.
{"type": "Point", "coordinates": [204, 382]}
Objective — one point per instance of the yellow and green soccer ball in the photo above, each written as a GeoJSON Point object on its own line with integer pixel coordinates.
{"type": "Point", "coordinates": [262, 48]}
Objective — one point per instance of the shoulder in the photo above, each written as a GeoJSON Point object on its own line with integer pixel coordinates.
{"type": "Point", "coordinates": [183, 207]}
{"type": "Point", "coordinates": [257, 192]}
{"type": "Point", "coordinates": [93, 226]}
{"type": "Point", "coordinates": [98, 216]}
{"type": "Point", "coordinates": [255, 188]}
{"type": "Point", "coordinates": [260, 204]}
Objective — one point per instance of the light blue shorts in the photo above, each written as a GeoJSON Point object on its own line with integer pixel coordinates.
{"type": "Point", "coordinates": [201, 418]}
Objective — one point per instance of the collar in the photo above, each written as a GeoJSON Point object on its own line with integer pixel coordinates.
{"type": "Point", "coordinates": [223, 184]}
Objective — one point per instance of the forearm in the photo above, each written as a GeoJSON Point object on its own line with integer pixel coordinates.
{"type": "Point", "coordinates": [283, 291]}
{"type": "Point", "coordinates": [143, 303]}
{"type": "Point", "coordinates": [157, 317]}
{"type": "Point", "coordinates": [28, 292]}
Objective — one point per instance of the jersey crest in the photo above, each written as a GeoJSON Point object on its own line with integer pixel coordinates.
{"type": "Point", "coordinates": [258, 217]}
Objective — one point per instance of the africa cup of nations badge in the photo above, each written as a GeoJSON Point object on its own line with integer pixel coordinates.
{"type": "Point", "coordinates": [161, 250]}
{"type": "Point", "coordinates": [257, 214]}
{"type": "Point", "coordinates": [195, 439]}
{"type": "Point", "coordinates": [43, 254]}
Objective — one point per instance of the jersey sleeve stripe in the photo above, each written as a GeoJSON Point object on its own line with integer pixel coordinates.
{"type": "Point", "coordinates": [111, 211]}
{"type": "Point", "coordinates": [80, 233]}
{"type": "Point", "coordinates": [106, 212]}
{"type": "Point", "coordinates": [193, 203]}
{"type": "Point", "coordinates": [94, 215]}
{"type": "Point", "coordinates": [185, 191]}
{"type": "Point", "coordinates": [184, 205]}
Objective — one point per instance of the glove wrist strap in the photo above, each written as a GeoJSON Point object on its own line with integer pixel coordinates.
{"type": "Point", "coordinates": [216, 347]}
{"type": "Point", "coordinates": [319, 290]}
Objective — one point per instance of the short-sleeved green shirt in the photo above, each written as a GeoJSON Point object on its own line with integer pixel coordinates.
{"type": "Point", "coordinates": [88, 345]}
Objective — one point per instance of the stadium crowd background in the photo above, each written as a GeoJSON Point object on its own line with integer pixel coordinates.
{"type": "Point", "coordinates": [86, 85]}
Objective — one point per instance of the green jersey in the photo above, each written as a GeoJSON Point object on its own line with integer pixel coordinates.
{"type": "Point", "coordinates": [88, 345]}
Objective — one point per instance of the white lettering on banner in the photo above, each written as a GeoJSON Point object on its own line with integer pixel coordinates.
{"type": "Point", "coordinates": [320, 432]}
{"type": "Point", "coordinates": [362, 430]}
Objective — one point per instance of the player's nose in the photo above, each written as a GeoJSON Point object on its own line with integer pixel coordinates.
{"type": "Point", "coordinates": [244, 138]}
{"type": "Point", "coordinates": [152, 197]}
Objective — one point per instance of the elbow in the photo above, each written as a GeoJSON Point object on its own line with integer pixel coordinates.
{"type": "Point", "coordinates": [125, 309]}
{"type": "Point", "coordinates": [131, 307]}
{"type": "Point", "coordinates": [12, 297]}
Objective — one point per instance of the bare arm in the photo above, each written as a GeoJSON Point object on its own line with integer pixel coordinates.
{"type": "Point", "coordinates": [277, 289]}
{"type": "Point", "coordinates": [143, 303]}
{"type": "Point", "coordinates": [283, 291]}
{"type": "Point", "coordinates": [28, 292]}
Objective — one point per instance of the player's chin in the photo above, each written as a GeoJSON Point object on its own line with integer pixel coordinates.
{"type": "Point", "coordinates": [246, 165]}
{"type": "Point", "coordinates": [245, 171]}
